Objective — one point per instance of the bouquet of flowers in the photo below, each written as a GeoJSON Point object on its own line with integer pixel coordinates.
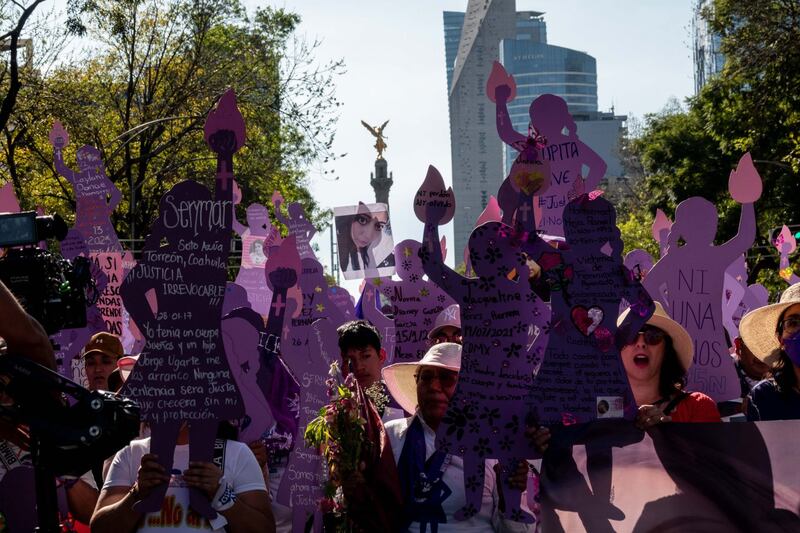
{"type": "Point", "coordinates": [338, 432]}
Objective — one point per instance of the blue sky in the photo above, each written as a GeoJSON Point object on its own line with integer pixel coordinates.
{"type": "Point", "coordinates": [394, 52]}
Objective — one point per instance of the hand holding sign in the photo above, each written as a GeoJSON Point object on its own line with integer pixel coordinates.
{"type": "Point", "coordinates": [500, 87]}
{"type": "Point", "coordinates": [744, 183]}
{"type": "Point", "coordinates": [433, 203]}
{"type": "Point", "coordinates": [59, 138]}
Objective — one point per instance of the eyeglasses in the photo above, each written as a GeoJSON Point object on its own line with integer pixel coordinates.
{"type": "Point", "coordinates": [446, 378]}
{"type": "Point", "coordinates": [790, 324]}
{"type": "Point", "coordinates": [652, 335]}
{"type": "Point", "coordinates": [441, 337]}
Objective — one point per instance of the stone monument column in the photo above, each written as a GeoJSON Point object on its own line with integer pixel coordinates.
{"type": "Point", "coordinates": [380, 181]}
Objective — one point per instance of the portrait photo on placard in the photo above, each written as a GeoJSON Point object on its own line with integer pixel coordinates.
{"type": "Point", "coordinates": [364, 237]}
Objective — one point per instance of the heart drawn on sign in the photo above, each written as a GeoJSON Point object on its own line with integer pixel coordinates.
{"type": "Point", "coordinates": [528, 179]}
{"type": "Point", "coordinates": [586, 319]}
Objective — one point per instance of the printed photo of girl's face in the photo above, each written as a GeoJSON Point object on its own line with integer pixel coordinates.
{"type": "Point", "coordinates": [367, 228]}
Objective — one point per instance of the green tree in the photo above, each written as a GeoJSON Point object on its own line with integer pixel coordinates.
{"type": "Point", "coordinates": [752, 105]}
{"type": "Point", "coordinates": [143, 95]}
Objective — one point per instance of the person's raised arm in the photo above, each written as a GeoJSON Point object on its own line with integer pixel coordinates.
{"type": "Point", "coordinates": [23, 334]}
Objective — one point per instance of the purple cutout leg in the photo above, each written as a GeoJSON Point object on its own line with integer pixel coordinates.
{"type": "Point", "coordinates": [164, 437]}
{"type": "Point", "coordinates": [201, 448]}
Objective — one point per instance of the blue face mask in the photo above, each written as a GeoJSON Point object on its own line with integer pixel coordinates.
{"type": "Point", "coordinates": [791, 346]}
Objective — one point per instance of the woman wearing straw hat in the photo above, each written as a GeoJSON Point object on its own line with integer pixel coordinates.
{"type": "Point", "coordinates": [656, 364]}
{"type": "Point", "coordinates": [432, 482]}
{"type": "Point", "coordinates": [772, 333]}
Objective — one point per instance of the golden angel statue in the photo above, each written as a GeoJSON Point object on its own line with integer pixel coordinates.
{"type": "Point", "coordinates": [377, 132]}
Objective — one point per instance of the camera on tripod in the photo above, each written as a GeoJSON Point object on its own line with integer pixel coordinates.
{"type": "Point", "coordinates": [50, 288]}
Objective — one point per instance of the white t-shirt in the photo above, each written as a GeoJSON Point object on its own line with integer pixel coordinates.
{"type": "Point", "coordinates": [487, 519]}
{"type": "Point", "coordinates": [241, 470]}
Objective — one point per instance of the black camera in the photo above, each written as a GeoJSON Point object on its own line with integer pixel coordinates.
{"type": "Point", "coordinates": [51, 289]}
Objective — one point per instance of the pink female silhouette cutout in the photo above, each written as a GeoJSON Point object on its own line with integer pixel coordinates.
{"type": "Point", "coordinates": [415, 302]}
{"type": "Point", "coordinates": [298, 224]}
{"type": "Point", "coordinates": [565, 153]}
{"type": "Point", "coordinates": [487, 413]}
{"type": "Point", "coordinates": [183, 376]}
{"type": "Point", "coordinates": [786, 244]}
{"type": "Point", "coordinates": [689, 279]}
{"type": "Point", "coordinates": [255, 237]}
{"type": "Point", "coordinates": [490, 213]}
{"type": "Point", "coordinates": [96, 196]}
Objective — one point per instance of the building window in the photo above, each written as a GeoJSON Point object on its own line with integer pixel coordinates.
{"type": "Point", "coordinates": [484, 199]}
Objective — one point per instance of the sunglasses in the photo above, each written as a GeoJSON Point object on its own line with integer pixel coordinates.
{"type": "Point", "coordinates": [446, 378]}
{"type": "Point", "coordinates": [652, 335]}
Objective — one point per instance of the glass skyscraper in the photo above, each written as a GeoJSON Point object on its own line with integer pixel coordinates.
{"type": "Point", "coordinates": [708, 59]}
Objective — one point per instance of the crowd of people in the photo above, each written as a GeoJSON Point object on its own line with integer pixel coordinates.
{"type": "Point", "coordinates": [235, 484]}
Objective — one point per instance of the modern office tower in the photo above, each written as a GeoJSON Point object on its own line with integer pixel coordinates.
{"type": "Point", "coordinates": [708, 60]}
{"type": "Point", "coordinates": [493, 30]}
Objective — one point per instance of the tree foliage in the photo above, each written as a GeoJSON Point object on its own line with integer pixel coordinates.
{"type": "Point", "coordinates": [752, 105]}
{"type": "Point", "coordinates": [142, 96]}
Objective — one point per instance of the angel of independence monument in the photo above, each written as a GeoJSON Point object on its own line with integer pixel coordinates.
{"type": "Point", "coordinates": [381, 179]}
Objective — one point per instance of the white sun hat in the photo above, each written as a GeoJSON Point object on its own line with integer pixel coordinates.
{"type": "Point", "coordinates": [400, 380]}
{"type": "Point", "coordinates": [759, 327]}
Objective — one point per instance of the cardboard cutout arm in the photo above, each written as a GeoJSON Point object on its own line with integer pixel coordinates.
{"type": "Point", "coordinates": [597, 167]}
{"type": "Point", "coordinates": [746, 235]}
{"type": "Point", "coordinates": [642, 308]}
{"type": "Point", "coordinates": [505, 129]}
{"type": "Point", "coordinates": [433, 264]}
{"type": "Point", "coordinates": [238, 227]}
{"type": "Point", "coordinates": [61, 167]}
{"type": "Point", "coordinates": [654, 281]}
{"type": "Point", "coordinates": [134, 294]}
{"type": "Point", "coordinates": [786, 271]}
{"type": "Point", "coordinates": [115, 196]}
{"type": "Point", "coordinates": [279, 215]}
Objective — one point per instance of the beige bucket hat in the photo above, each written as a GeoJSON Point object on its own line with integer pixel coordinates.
{"type": "Point", "coordinates": [759, 327]}
{"type": "Point", "coordinates": [681, 340]}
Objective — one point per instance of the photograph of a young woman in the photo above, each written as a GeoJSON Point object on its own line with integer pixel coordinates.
{"type": "Point", "coordinates": [364, 241]}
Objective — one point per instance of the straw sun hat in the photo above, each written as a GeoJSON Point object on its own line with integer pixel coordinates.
{"type": "Point", "coordinates": [759, 327]}
{"type": "Point", "coordinates": [400, 380]}
{"type": "Point", "coordinates": [681, 340]}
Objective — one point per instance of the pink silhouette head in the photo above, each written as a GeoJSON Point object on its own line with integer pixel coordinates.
{"type": "Point", "coordinates": [550, 115]}
{"type": "Point", "coordinates": [88, 157]}
{"type": "Point", "coordinates": [695, 223]}
{"type": "Point", "coordinates": [258, 219]}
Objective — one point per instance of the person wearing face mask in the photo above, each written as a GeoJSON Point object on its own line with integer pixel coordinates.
{"type": "Point", "coordinates": [432, 482]}
{"type": "Point", "coordinates": [772, 333]}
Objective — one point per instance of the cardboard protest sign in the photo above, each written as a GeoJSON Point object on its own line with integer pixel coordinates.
{"type": "Point", "coordinates": [298, 224]}
{"type": "Point", "coordinates": [70, 342]}
{"type": "Point", "coordinates": [183, 374]}
{"type": "Point", "coordinates": [639, 262]}
{"type": "Point", "coordinates": [733, 290]}
{"type": "Point", "coordinates": [371, 310]}
{"type": "Point", "coordinates": [688, 280]}
{"type": "Point", "coordinates": [308, 351]}
{"type": "Point", "coordinates": [316, 301]}
{"type": "Point", "coordinates": [364, 240]}
{"type": "Point", "coordinates": [256, 236]}
{"type": "Point", "coordinates": [414, 302]}
{"type": "Point", "coordinates": [491, 213]}
{"type": "Point", "coordinates": [550, 163]}
{"type": "Point", "coordinates": [786, 244]}
{"type": "Point", "coordinates": [582, 377]}
{"type": "Point", "coordinates": [675, 477]}
{"type": "Point", "coordinates": [269, 392]}
{"type": "Point", "coordinates": [8, 199]}
{"type": "Point", "coordinates": [489, 408]}
{"type": "Point", "coordinates": [343, 301]}
{"type": "Point", "coordinates": [430, 193]}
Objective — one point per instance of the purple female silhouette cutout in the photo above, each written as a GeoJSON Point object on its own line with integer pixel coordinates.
{"type": "Point", "coordinates": [183, 376]}
{"type": "Point", "coordinates": [309, 346]}
{"type": "Point", "coordinates": [415, 302]}
{"type": "Point", "coordinates": [566, 154]}
{"type": "Point", "coordinates": [660, 228]}
{"type": "Point", "coordinates": [582, 372]}
{"type": "Point", "coordinates": [370, 309]}
{"type": "Point", "coordinates": [255, 238]}
{"type": "Point", "coordinates": [96, 197]}
{"type": "Point", "coordinates": [487, 413]}
{"type": "Point", "coordinates": [689, 279]}
{"type": "Point", "coordinates": [639, 262]}
{"type": "Point", "coordinates": [298, 224]}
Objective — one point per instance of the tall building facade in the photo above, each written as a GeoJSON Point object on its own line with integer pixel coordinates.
{"type": "Point", "coordinates": [493, 30]}
{"type": "Point", "coordinates": [708, 59]}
